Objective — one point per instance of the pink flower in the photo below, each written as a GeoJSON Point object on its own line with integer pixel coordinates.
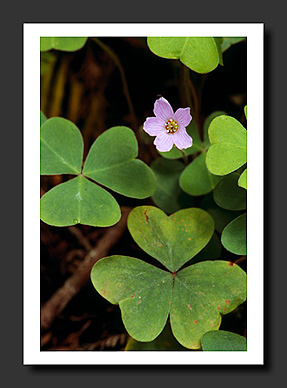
{"type": "Point", "coordinates": [168, 127]}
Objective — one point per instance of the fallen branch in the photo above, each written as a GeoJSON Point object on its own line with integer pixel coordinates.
{"type": "Point", "coordinates": [59, 300]}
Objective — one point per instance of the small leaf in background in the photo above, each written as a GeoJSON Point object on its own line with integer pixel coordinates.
{"type": "Point", "coordinates": [61, 147]}
{"type": "Point", "coordinates": [195, 297]}
{"type": "Point", "coordinates": [221, 340]}
{"type": "Point", "coordinates": [222, 217]}
{"type": "Point", "coordinates": [196, 179]}
{"type": "Point", "coordinates": [111, 162]}
{"type": "Point", "coordinates": [229, 195]}
{"type": "Point", "coordinates": [229, 41]}
{"type": "Point", "coordinates": [79, 201]}
{"type": "Point", "coordinates": [43, 118]}
{"type": "Point", "coordinates": [199, 54]}
{"type": "Point", "coordinates": [245, 111]}
{"type": "Point", "coordinates": [242, 181]}
{"type": "Point", "coordinates": [174, 153]}
{"type": "Point", "coordinates": [171, 240]}
{"type": "Point", "coordinates": [165, 341]}
{"type": "Point", "coordinates": [167, 173]}
{"type": "Point", "coordinates": [228, 150]}
{"type": "Point", "coordinates": [62, 43]}
{"type": "Point", "coordinates": [234, 236]}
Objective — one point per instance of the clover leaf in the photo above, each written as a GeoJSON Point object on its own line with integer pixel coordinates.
{"type": "Point", "coordinates": [228, 150]}
{"type": "Point", "coordinates": [111, 162]}
{"type": "Point", "coordinates": [62, 43]}
{"type": "Point", "coordinates": [229, 195]}
{"type": "Point", "coordinates": [193, 297]}
{"type": "Point", "coordinates": [201, 54]}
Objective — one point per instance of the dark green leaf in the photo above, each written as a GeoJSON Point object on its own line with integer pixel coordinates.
{"type": "Point", "coordinates": [234, 236]}
{"type": "Point", "coordinates": [223, 341]}
{"type": "Point", "coordinates": [229, 195]}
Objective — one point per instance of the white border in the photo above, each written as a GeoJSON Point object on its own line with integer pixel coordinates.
{"type": "Point", "coordinates": [31, 330]}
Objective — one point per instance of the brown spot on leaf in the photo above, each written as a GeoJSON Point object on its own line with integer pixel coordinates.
{"type": "Point", "coordinates": [194, 321]}
{"type": "Point", "coordinates": [189, 306]}
{"type": "Point", "coordinates": [227, 301]}
{"type": "Point", "coordinates": [146, 216]}
{"type": "Point", "coordinates": [230, 264]}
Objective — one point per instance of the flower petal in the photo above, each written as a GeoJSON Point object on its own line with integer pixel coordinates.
{"type": "Point", "coordinates": [162, 109]}
{"type": "Point", "coordinates": [181, 139]}
{"type": "Point", "coordinates": [182, 116]}
{"type": "Point", "coordinates": [164, 142]}
{"type": "Point", "coordinates": [153, 126]}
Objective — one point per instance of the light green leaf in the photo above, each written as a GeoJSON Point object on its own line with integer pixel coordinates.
{"type": "Point", "coordinates": [207, 122]}
{"type": "Point", "coordinates": [245, 111]}
{"type": "Point", "coordinates": [111, 162]}
{"type": "Point", "coordinates": [79, 201]}
{"type": "Point", "coordinates": [234, 236]}
{"type": "Point", "coordinates": [196, 179]}
{"type": "Point", "coordinates": [61, 147]}
{"type": "Point", "coordinates": [172, 240]}
{"type": "Point", "coordinates": [229, 195]}
{"type": "Point", "coordinates": [228, 150]}
{"type": "Point", "coordinates": [62, 43]}
{"type": "Point", "coordinates": [167, 194]}
{"type": "Point", "coordinates": [195, 297]}
{"type": "Point", "coordinates": [175, 153]}
{"type": "Point", "coordinates": [199, 54]}
{"type": "Point", "coordinates": [242, 181]}
{"type": "Point", "coordinates": [223, 341]}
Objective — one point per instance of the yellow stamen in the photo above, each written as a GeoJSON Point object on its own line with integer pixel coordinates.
{"type": "Point", "coordinates": [171, 126]}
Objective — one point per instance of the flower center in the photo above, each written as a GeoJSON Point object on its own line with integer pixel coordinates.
{"type": "Point", "coordinates": [171, 126]}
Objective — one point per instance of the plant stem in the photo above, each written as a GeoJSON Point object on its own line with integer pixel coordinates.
{"type": "Point", "coordinates": [115, 58]}
{"type": "Point", "coordinates": [184, 156]}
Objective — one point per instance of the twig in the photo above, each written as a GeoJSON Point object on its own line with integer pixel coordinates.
{"type": "Point", "coordinates": [59, 300]}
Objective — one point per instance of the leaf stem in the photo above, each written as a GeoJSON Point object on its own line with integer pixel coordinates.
{"type": "Point", "coordinates": [115, 58]}
{"type": "Point", "coordinates": [184, 156]}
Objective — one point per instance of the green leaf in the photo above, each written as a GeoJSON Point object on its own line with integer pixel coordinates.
{"type": "Point", "coordinates": [199, 54]}
{"type": "Point", "coordinates": [242, 181]}
{"type": "Point", "coordinates": [195, 297]}
{"type": "Point", "coordinates": [229, 41]}
{"type": "Point", "coordinates": [228, 150]}
{"type": "Point", "coordinates": [229, 195]}
{"type": "Point", "coordinates": [168, 192]}
{"type": "Point", "coordinates": [111, 162]}
{"type": "Point", "coordinates": [61, 147]}
{"type": "Point", "coordinates": [43, 118]}
{"type": "Point", "coordinates": [223, 341]}
{"type": "Point", "coordinates": [175, 153]}
{"type": "Point", "coordinates": [79, 201]}
{"type": "Point", "coordinates": [196, 179]}
{"type": "Point", "coordinates": [245, 111]}
{"type": "Point", "coordinates": [234, 236]}
{"type": "Point", "coordinates": [171, 240]}
{"type": "Point", "coordinates": [165, 341]}
{"type": "Point", "coordinates": [62, 43]}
